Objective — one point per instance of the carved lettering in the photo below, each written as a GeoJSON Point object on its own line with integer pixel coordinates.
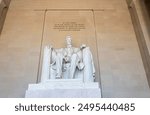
{"type": "Point", "coordinates": [69, 26]}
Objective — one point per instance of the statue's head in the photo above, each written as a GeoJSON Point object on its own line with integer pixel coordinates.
{"type": "Point", "coordinates": [69, 41]}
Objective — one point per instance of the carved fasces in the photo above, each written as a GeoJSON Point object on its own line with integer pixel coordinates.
{"type": "Point", "coordinates": [89, 69]}
{"type": "Point", "coordinates": [46, 64]}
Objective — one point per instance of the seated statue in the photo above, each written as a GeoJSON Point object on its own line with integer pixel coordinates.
{"type": "Point", "coordinates": [68, 63]}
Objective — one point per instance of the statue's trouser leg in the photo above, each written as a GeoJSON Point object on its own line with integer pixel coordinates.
{"type": "Point", "coordinates": [74, 61]}
{"type": "Point", "coordinates": [59, 60]}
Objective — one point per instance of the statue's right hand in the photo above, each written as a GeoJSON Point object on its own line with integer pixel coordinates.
{"type": "Point", "coordinates": [83, 46]}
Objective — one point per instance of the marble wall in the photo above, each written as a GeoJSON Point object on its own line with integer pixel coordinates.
{"type": "Point", "coordinates": [147, 2]}
{"type": "Point", "coordinates": [29, 26]}
{"type": "Point", "coordinates": [141, 23]}
{"type": "Point", "coordinates": [4, 4]}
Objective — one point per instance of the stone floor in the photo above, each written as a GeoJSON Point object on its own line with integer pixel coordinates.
{"type": "Point", "coordinates": [29, 26]}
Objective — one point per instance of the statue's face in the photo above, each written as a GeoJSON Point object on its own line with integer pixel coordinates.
{"type": "Point", "coordinates": [68, 40]}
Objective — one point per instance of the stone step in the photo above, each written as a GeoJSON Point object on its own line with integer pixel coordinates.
{"type": "Point", "coordinates": [63, 85]}
{"type": "Point", "coordinates": [64, 88]}
{"type": "Point", "coordinates": [64, 93]}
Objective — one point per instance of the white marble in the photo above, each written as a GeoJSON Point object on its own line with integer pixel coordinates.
{"type": "Point", "coordinates": [64, 93]}
{"type": "Point", "coordinates": [64, 89]}
{"type": "Point", "coordinates": [66, 73]}
{"type": "Point", "coordinates": [68, 63]}
{"type": "Point", "coordinates": [63, 84]}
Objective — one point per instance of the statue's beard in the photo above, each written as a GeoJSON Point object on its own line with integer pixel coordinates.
{"type": "Point", "coordinates": [69, 46]}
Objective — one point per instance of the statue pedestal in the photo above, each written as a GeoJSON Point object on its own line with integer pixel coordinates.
{"type": "Point", "coordinates": [64, 88]}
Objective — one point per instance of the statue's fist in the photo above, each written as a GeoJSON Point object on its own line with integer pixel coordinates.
{"type": "Point", "coordinates": [83, 46]}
